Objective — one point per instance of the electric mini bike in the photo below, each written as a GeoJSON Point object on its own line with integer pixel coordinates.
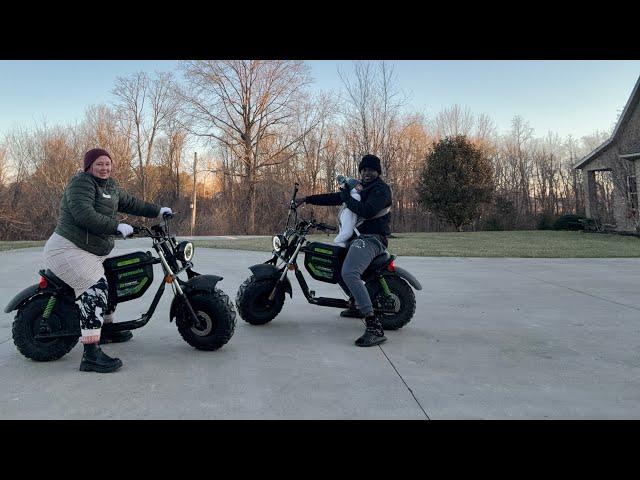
{"type": "Point", "coordinates": [47, 323]}
{"type": "Point", "coordinates": [261, 297]}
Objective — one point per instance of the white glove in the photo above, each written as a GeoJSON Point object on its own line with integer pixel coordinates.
{"type": "Point", "coordinates": [164, 210]}
{"type": "Point", "coordinates": [125, 229]}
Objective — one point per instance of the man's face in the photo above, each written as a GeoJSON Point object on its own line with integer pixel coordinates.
{"type": "Point", "coordinates": [368, 174]}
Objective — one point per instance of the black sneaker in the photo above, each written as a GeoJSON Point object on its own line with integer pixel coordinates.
{"type": "Point", "coordinates": [115, 337]}
{"type": "Point", "coordinates": [373, 334]}
{"type": "Point", "coordinates": [352, 311]}
{"type": "Point", "coordinates": [95, 360]}
{"type": "Point", "coordinates": [349, 313]}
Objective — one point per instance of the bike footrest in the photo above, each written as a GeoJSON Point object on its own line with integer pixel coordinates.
{"type": "Point", "coordinates": [330, 302]}
{"type": "Point", "coordinates": [121, 326]}
{"type": "Point", "coordinates": [384, 310]}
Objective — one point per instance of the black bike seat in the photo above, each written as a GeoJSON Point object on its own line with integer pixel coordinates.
{"type": "Point", "coordinates": [53, 278]}
{"type": "Point", "coordinates": [380, 261]}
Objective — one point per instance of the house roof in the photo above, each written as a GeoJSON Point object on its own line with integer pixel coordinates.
{"type": "Point", "coordinates": [633, 99]}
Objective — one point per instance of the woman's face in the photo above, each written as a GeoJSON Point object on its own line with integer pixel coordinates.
{"type": "Point", "coordinates": [101, 168]}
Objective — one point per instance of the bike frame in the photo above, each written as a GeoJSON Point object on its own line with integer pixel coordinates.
{"type": "Point", "coordinates": [164, 245]}
{"type": "Point", "coordinates": [289, 262]}
{"type": "Point", "coordinates": [299, 231]}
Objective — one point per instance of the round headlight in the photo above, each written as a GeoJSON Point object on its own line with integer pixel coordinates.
{"type": "Point", "coordinates": [185, 251]}
{"type": "Point", "coordinates": [188, 251]}
{"type": "Point", "coordinates": [279, 243]}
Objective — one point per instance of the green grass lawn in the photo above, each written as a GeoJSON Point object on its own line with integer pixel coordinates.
{"type": "Point", "coordinates": [20, 244]}
{"type": "Point", "coordinates": [524, 244]}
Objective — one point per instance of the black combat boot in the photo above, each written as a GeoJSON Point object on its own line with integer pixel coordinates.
{"type": "Point", "coordinates": [373, 334]}
{"type": "Point", "coordinates": [95, 360]}
{"type": "Point", "coordinates": [115, 337]}
{"type": "Point", "coordinates": [351, 311]}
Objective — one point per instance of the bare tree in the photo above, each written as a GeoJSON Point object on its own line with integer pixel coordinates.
{"type": "Point", "coordinates": [519, 164]}
{"type": "Point", "coordinates": [8, 217]}
{"type": "Point", "coordinates": [411, 143]}
{"type": "Point", "coordinates": [4, 166]}
{"type": "Point", "coordinates": [572, 179]}
{"type": "Point", "coordinates": [43, 160]}
{"type": "Point", "coordinates": [171, 150]}
{"type": "Point", "coordinates": [315, 142]}
{"type": "Point", "coordinates": [594, 140]}
{"type": "Point", "coordinates": [454, 121]}
{"type": "Point", "coordinates": [103, 127]}
{"type": "Point", "coordinates": [149, 104]}
{"type": "Point", "coordinates": [371, 110]}
{"type": "Point", "coordinates": [250, 106]}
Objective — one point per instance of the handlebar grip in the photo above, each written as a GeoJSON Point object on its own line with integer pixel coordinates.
{"type": "Point", "coordinates": [324, 226]}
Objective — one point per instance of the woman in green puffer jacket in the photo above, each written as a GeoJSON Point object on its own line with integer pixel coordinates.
{"type": "Point", "coordinates": [83, 238]}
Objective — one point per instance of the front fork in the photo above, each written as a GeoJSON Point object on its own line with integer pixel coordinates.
{"type": "Point", "coordinates": [287, 266]}
{"type": "Point", "coordinates": [177, 290]}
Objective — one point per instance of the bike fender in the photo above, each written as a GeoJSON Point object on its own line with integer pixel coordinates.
{"type": "Point", "coordinates": [206, 283]}
{"type": "Point", "coordinates": [22, 297]}
{"type": "Point", "coordinates": [200, 283]}
{"type": "Point", "coordinates": [173, 312]}
{"type": "Point", "coordinates": [402, 273]}
{"type": "Point", "coordinates": [264, 270]}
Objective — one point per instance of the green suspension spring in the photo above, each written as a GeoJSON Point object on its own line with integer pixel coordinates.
{"type": "Point", "coordinates": [50, 304]}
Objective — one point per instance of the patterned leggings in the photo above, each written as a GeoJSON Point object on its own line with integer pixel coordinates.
{"type": "Point", "coordinates": [93, 306]}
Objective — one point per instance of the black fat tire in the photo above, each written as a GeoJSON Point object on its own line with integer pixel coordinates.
{"type": "Point", "coordinates": [28, 318]}
{"type": "Point", "coordinates": [251, 294]}
{"type": "Point", "coordinates": [403, 291]}
{"type": "Point", "coordinates": [221, 315]}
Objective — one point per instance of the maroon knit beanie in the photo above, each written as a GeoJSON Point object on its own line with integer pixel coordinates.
{"type": "Point", "coordinates": [92, 155]}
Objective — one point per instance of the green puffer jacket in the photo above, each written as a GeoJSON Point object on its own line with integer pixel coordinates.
{"type": "Point", "coordinates": [88, 210]}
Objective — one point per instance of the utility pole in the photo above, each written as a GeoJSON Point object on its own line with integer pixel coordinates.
{"type": "Point", "coordinates": [193, 195]}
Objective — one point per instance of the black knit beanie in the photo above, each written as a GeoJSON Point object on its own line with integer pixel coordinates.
{"type": "Point", "coordinates": [370, 161]}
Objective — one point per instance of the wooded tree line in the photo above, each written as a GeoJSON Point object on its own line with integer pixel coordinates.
{"type": "Point", "coordinates": [258, 128]}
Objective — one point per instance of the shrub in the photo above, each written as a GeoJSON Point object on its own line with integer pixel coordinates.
{"type": "Point", "coordinates": [493, 224]}
{"type": "Point", "coordinates": [569, 222]}
{"type": "Point", "coordinates": [546, 221]}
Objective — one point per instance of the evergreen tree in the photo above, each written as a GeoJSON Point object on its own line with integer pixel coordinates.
{"type": "Point", "coordinates": [456, 180]}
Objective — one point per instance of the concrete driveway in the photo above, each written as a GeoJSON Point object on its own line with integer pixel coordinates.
{"type": "Point", "coordinates": [491, 339]}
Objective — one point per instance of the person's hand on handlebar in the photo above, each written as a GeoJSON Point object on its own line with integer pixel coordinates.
{"type": "Point", "coordinates": [164, 210]}
{"type": "Point", "coordinates": [125, 229]}
{"type": "Point", "coordinates": [300, 200]}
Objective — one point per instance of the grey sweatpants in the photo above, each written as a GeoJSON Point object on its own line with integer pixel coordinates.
{"type": "Point", "coordinates": [361, 252]}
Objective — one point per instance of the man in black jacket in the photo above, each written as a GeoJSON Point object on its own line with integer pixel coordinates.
{"type": "Point", "coordinates": [372, 241]}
